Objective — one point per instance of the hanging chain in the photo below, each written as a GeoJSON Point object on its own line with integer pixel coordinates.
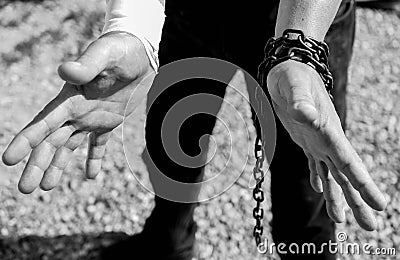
{"type": "Point", "coordinates": [258, 193]}
{"type": "Point", "coordinates": [300, 48]}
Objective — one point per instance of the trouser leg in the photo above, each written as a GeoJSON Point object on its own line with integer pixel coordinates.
{"type": "Point", "coordinates": [167, 122]}
{"type": "Point", "coordinates": [172, 130]}
{"type": "Point", "coordinates": [171, 220]}
{"type": "Point", "coordinates": [340, 39]}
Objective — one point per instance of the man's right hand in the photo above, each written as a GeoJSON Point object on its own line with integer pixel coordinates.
{"type": "Point", "coordinates": [93, 101]}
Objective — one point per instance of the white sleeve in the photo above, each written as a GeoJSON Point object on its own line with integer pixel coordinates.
{"type": "Point", "coordinates": [141, 18]}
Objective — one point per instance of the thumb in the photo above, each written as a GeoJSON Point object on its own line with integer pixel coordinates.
{"type": "Point", "coordinates": [90, 64]}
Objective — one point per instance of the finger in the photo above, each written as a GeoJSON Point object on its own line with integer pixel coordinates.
{"type": "Point", "coordinates": [315, 180]}
{"type": "Point", "coordinates": [93, 61]}
{"type": "Point", "coordinates": [332, 194]}
{"type": "Point", "coordinates": [362, 213]}
{"type": "Point", "coordinates": [348, 162]}
{"type": "Point", "coordinates": [96, 151]}
{"type": "Point", "coordinates": [60, 161]}
{"type": "Point", "coordinates": [53, 116]}
{"type": "Point", "coordinates": [41, 157]}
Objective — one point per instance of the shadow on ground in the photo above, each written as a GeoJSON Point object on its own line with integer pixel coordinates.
{"type": "Point", "coordinates": [77, 246]}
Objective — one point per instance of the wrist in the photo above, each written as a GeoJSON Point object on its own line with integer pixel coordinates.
{"type": "Point", "coordinates": [128, 50]}
{"type": "Point", "coordinates": [292, 72]}
{"type": "Point", "coordinates": [143, 19]}
{"type": "Point", "coordinates": [295, 46]}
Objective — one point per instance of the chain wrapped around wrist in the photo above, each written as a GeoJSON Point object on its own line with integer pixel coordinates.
{"type": "Point", "coordinates": [293, 45]}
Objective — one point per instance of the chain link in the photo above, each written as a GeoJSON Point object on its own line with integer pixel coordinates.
{"type": "Point", "coordinates": [258, 193]}
{"type": "Point", "coordinates": [299, 48]}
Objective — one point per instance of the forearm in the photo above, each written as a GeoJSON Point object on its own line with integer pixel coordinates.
{"type": "Point", "coordinates": [141, 18]}
{"type": "Point", "coordinates": [313, 17]}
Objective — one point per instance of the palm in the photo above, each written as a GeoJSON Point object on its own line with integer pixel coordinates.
{"type": "Point", "coordinates": [304, 108]}
{"type": "Point", "coordinates": [93, 101]}
{"type": "Point", "coordinates": [311, 130]}
{"type": "Point", "coordinates": [90, 112]}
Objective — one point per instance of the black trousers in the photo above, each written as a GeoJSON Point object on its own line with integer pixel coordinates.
{"type": "Point", "coordinates": [238, 33]}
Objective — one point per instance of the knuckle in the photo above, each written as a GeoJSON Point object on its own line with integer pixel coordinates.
{"type": "Point", "coordinates": [345, 166]}
{"type": "Point", "coordinates": [357, 206]}
{"type": "Point", "coordinates": [52, 146]}
{"type": "Point", "coordinates": [341, 180]}
{"type": "Point", "coordinates": [48, 127]}
{"type": "Point", "coordinates": [329, 180]}
{"type": "Point", "coordinates": [331, 201]}
{"type": "Point", "coordinates": [28, 140]}
{"type": "Point", "coordinates": [361, 185]}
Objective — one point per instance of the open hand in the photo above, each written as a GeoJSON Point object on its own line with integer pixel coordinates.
{"type": "Point", "coordinates": [304, 108]}
{"type": "Point", "coordinates": [92, 102]}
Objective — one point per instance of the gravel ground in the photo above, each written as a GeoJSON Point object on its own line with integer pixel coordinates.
{"type": "Point", "coordinates": [79, 216]}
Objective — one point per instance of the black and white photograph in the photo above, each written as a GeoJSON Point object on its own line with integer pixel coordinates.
{"type": "Point", "coordinates": [199, 130]}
